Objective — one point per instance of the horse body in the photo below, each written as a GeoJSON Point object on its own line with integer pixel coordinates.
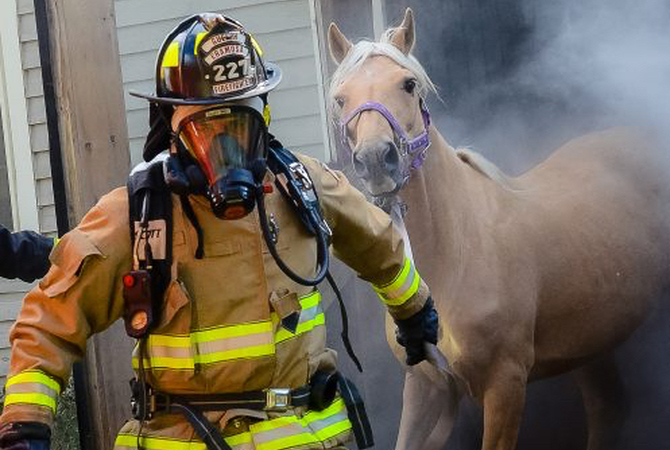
{"type": "Point", "coordinates": [532, 276]}
{"type": "Point", "coordinates": [554, 271]}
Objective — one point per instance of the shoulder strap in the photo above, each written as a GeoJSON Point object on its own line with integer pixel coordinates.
{"type": "Point", "coordinates": [298, 189]}
{"type": "Point", "coordinates": [150, 219]}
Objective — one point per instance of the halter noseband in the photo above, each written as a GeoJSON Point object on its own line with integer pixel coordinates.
{"type": "Point", "coordinates": [413, 147]}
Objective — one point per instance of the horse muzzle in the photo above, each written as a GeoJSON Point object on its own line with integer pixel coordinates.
{"type": "Point", "coordinates": [378, 164]}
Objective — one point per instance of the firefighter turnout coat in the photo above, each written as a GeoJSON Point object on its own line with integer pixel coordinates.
{"type": "Point", "coordinates": [218, 331]}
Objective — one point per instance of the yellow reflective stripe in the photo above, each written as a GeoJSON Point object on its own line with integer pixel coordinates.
{"type": "Point", "coordinates": [165, 362]}
{"type": "Point", "coordinates": [209, 358]}
{"type": "Point", "coordinates": [247, 352]}
{"type": "Point", "coordinates": [334, 408]}
{"type": "Point", "coordinates": [198, 39]}
{"type": "Point", "coordinates": [56, 241]}
{"type": "Point", "coordinates": [33, 399]}
{"type": "Point", "coordinates": [256, 45]}
{"type": "Point", "coordinates": [273, 424]}
{"type": "Point", "coordinates": [333, 430]}
{"type": "Point", "coordinates": [283, 334]}
{"type": "Point", "coordinates": [398, 281]}
{"type": "Point", "coordinates": [238, 439]}
{"type": "Point", "coordinates": [150, 443]}
{"type": "Point", "coordinates": [288, 442]}
{"type": "Point", "coordinates": [311, 300]}
{"type": "Point", "coordinates": [406, 295]}
{"type": "Point", "coordinates": [162, 340]}
{"type": "Point", "coordinates": [232, 331]}
{"type": "Point", "coordinates": [171, 56]}
{"type": "Point", "coordinates": [34, 377]}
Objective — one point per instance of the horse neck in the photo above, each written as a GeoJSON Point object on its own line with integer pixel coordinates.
{"type": "Point", "coordinates": [438, 197]}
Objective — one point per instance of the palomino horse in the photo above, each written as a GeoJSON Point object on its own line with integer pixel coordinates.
{"type": "Point", "coordinates": [532, 276]}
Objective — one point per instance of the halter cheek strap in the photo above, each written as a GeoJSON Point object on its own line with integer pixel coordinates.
{"type": "Point", "coordinates": [413, 147]}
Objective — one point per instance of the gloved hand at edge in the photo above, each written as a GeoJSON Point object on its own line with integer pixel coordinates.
{"type": "Point", "coordinates": [24, 436]}
{"type": "Point", "coordinates": [413, 332]}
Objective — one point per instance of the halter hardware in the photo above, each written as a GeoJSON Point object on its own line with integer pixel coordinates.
{"type": "Point", "coordinates": [416, 147]}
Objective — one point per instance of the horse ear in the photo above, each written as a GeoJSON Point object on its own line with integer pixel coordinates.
{"type": "Point", "coordinates": [403, 37]}
{"type": "Point", "coordinates": [338, 43]}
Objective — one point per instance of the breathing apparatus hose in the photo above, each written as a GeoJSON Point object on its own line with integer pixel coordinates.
{"type": "Point", "coordinates": [322, 255]}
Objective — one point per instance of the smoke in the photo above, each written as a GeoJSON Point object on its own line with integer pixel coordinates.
{"type": "Point", "coordinates": [517, 79]}
{"type": "Point", "coordinates": [572, 66]}
{"type": "Point", "coordinates": [575, 66]}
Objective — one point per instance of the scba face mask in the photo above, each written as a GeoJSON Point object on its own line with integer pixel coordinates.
{"type": "Point", "coordinates": [230, 145]}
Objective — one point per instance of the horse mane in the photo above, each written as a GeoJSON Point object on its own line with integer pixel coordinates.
{"type": "Point", "coordinates": [364, 49]}
{"type": "Point", "coordinates": [478, 162]}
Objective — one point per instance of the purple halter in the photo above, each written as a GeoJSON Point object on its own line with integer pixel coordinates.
{"type": "Point", "coordinates": [413, 147]}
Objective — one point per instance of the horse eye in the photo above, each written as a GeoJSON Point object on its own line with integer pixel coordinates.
{"type": "Point", "coordinates": [410, 85]}
{"type": "Point", "coordinates": [339, 101]}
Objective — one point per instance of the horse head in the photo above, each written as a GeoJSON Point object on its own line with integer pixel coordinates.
{"type": "Point", "coordinates": [378, 93]}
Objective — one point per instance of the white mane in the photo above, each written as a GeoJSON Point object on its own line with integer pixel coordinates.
{"type": "Point", "coordinates": [365, 49]}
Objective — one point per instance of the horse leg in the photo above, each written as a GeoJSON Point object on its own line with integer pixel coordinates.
{"type": "Point", "coordinates": [504, 398]}
{"type": "Point", "coordinates": [605, 402]}
{"type": "Point", "coordinates": [429, 409]}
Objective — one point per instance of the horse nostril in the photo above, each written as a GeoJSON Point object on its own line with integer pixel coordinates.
{"type": "Point", "coordinates": [391, 158]}
{"type": "Point", "coordinates": [359, 165]}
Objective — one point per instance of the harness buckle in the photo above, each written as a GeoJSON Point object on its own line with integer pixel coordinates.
{"type": "Point", "coordinates": [277, 399]}
{"type": "Point", "coordinates": [301, 173]}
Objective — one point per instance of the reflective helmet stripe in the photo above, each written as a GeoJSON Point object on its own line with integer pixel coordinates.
{"type": "Point", "coordinates": [171, 57]}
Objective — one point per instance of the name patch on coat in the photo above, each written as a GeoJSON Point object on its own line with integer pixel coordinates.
{"type": "Point", "coordinates": [156, 235]}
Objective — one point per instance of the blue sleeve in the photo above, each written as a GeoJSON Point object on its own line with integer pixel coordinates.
{"type": "Point", "coordinates": [24, 254]}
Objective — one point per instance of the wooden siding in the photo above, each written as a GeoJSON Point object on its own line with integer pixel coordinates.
{"type": "Point", "coordinates": [284, 30]}
{"type": "Point", "coordinates": [32, 76]}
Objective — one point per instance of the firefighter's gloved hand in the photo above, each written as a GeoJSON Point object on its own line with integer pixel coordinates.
{"type": "Point", "coordinates": [24, 436]}
{"type": "Point", "coordinates": [413, 332]}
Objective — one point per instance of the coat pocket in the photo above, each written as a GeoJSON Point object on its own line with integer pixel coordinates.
{"type": "Point", "coordinates": [68, 260]}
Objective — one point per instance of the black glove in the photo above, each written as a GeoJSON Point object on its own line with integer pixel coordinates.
{"type": "Point", "coordinates": [414, 332]}
{"type": "Point", "coordinates": [24, 436]}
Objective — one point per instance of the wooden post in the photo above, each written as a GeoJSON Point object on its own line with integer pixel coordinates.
{"type": "Point", "coordinates": [85, 95]}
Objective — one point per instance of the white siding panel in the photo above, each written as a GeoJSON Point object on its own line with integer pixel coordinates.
{"type": "Point", "coordinates": [254, 14]}
{"type": "Point", "coordinates": [30, 55]}
{"type": "Point", "coordinates": [4, 357]}
{"type": "Point", "coordinates": [36, 111]}
{"type": "Point", "coordinates": [25, 6]}
{"type": "Point", "coordinates": [32, 79]}
{"type": "Point", "coordinates": [285, 16]}
{"type": "Point", "coordinates": [299, 132]}
{"type": "Point", "coordinates": [39, 138]}
{"type": "Point", "coordinates": [136, 146]}
{"type": "Point", "coordinates": [42, 167]}
{"type": "Point", "coordinates": [30, 61]}
{"type": "Point", "coordinates": [48, 219]}
{"type": "Point", "coordinates": [45, 195]}
{"type": "Point", "coordinates": [294, 103]}
{"type": "Point", "coordinates": [27, 28]}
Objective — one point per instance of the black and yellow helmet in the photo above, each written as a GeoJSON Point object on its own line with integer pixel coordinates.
{"type": "Point", "coordinates": [207, 59]}
{"type": "Point", "coordinates": [210, 59]}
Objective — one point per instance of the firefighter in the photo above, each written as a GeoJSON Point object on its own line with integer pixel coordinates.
{"type": "Point", "coordinates": [217, 276]}
{"type": "Point", "coordinates": [24, 254]}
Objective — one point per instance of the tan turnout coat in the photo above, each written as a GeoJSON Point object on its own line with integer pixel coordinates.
{"type": "Point", "coordinates": [219, 330]}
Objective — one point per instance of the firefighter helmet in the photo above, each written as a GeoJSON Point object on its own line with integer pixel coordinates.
{"type": "Point", "coordinates": [210, 59]}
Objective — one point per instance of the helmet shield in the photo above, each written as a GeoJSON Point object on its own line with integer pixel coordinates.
{"type": "Point", "coordinates": [224, 138]}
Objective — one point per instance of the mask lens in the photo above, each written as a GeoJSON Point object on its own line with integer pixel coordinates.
{"type": "Point", "coordinates": [224, 138]}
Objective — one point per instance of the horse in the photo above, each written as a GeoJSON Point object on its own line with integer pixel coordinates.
{"type": "Point", "coordinates": [532, 276]}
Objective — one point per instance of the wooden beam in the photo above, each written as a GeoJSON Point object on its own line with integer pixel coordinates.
{"type": "Point", "coordinates": [88, 95]}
